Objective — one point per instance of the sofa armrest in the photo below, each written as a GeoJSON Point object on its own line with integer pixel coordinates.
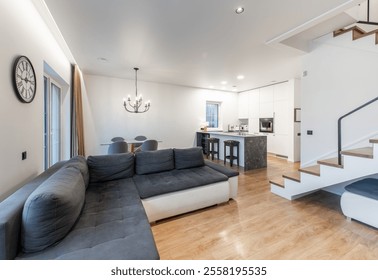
{"type": "Point", "coordinates": [222, 169]}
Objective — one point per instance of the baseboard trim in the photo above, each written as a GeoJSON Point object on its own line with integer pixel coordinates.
{"type": "Point", "coordinates": [278, 155]}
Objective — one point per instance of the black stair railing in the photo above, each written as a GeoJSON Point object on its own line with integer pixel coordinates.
{"type": "Point", "coordinates": [339, 144]}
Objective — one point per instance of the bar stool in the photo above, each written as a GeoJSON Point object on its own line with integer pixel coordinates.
{"type": "Point", "coordinates": [231, 144]}
{"type": "Point", "coordinates": [211, 147]}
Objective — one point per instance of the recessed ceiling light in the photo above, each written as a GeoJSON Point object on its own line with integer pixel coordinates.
{"type": "Point", "coordinates": [224, 82]}
{"type": "Point", "coordinates": [239, 10]}
{"type": "Point", "coordinates": [240, 77]}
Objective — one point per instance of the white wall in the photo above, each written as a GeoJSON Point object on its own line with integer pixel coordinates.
{"type": "Point", "coordinates": [23, 32]}
{"type": "Point", "coordinates": [175, 115]}
{"type": "Point", "coordinates": [341, 75]}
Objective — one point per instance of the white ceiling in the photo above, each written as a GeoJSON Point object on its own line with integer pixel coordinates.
{"type": "Point", "coordinates": [194, 43]}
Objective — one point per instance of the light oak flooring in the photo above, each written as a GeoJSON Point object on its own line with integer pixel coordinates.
{"type": "Point", "coordinates": [261, 225]}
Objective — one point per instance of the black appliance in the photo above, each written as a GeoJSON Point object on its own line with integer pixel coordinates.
{"type": "Point", "coordinates": [266, 125]}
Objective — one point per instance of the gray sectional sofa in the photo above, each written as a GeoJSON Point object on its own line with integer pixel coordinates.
{"type": "Point", "coordinates": [101, 207]}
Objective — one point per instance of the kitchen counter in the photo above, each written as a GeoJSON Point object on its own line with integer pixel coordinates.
{"type": "Point", "coordinates": [252, 147]}
{"type": "Point", "coordinates": [237, 134]}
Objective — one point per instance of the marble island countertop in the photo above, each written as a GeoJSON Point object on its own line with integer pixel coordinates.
{"type": "Point", "coordinates": [234, 134]}
{"type": "Point", "coordinates": [251, 148]}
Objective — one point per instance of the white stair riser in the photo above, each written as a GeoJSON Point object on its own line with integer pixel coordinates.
{"type": "Point", "coordinates": [354, 167]}
{"type": "Point", "coordinates": [308, 182]}
{"type": "Point", "coordinates": [294, 189]}
{"type": "Point", "coordinates": [280, 191]}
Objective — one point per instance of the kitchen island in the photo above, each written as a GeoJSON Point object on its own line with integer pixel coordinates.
{"type": "Point", "coordinates": [252, 147]}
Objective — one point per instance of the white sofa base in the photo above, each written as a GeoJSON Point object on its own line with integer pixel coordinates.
{"type": "Point", "coordinates": [234, 184]}
{"type": "Point", "coordinates": [361, 208]}
{"type": "Point", "coordinates": [176, 203]}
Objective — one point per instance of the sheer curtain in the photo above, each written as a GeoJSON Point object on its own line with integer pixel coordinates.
{"type": "Point", "coordinates": [77, 125]}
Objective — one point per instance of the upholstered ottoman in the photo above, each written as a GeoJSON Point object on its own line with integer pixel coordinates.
{"type": "Point", "coordinates": [360, 201]}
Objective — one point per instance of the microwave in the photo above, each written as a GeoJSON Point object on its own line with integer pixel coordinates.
{"type": "Point", "coordinates": [266, 125]}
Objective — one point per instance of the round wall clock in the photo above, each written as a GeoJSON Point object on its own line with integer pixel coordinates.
{"type": "Point", "coordinates": [24, 79]}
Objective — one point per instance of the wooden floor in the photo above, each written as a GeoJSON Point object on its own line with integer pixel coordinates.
{"type": "Point", "coordinates": [261, 225]}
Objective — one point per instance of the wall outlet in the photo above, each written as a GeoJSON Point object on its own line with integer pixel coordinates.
{"type": "Point", "coordinates": [24, 155]}
{"type": "Point", "coordinates": [309, 132]}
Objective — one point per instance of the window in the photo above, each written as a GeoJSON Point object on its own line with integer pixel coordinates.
{"type": "Point", "coordinates": [52, 122]}
{"type": "Point", "coordinates": [212, 114]}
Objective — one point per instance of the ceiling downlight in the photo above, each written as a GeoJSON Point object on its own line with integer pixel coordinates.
{"type": "Point", "coordinates": [239, 10]}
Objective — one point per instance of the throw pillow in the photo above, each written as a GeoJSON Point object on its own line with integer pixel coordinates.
{"type": "Point", "coordinates": [189, 158]}
{"type": "Point", "coordinates": [110, 167]}
{"type": "Point", "coordinates": [52, 209]}
{"type": "Point", "coordinates": [154, 161]}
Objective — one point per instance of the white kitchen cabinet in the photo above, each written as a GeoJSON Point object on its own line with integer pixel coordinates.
{"type": "Point", "coordinates": [271, 143]}
{"type": "Point", "coordinates": [267, 94]}
{"type": "Point", "coordinates": [254, 103]}
{"type": "Point", "coordinates": [281, 109]}
{"type": "Point", "coordinates": [243, 105]}
{"type": "Point", "coordinates": [281, 117]}
{"type": "Point", "coordinates": [253, 125]}
{"type": "Point", "coordinates": [266, 110]}
{"type": "Point", "coordinates": [275, 101]}
{"type": "Point", "coordinates": [277, 144]}
{"type": "Point", "coordinates": [266, 102]}
{"type": "Point", "coordinates": [281, 91]}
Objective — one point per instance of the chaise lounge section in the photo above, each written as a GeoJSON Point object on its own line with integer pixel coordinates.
{"type": "Point", "coordinates": [101, 208]}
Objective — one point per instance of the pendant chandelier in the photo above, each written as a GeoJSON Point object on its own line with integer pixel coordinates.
{"type": "Point", "coordinates": [134, 107]}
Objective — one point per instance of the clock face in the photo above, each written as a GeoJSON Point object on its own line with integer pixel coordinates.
{"type": "Point", "coordinates": [24, 79]}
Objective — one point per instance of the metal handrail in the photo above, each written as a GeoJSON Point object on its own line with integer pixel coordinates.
{"type": "Point", "coordinates": [339, 127]}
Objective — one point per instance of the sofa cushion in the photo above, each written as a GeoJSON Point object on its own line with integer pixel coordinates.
{"type": "Point", "coordinates": [52, 209]}
{"type": "Point", "coordinates": [366, 187]}
{"type": "Point", "coordinates": [222, 169]}
{"type": "Point", "coordinates": [175, 180]}
{"type": "Point", "coordinates": [11, 209]}
{"type": "Point", "coordinates": [110, 167]}
{"type": "Point", "coordinates": [80, 163]}
{"type": "Point", "coordinates": [188, 158]}
{"type": "Point", "coordinates": [112, 226]}
{"type": "Point", "coordinates": [154, 161]}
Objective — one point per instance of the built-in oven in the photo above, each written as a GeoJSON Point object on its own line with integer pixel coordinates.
{"type": "Point", "coordinates": [266, 125]}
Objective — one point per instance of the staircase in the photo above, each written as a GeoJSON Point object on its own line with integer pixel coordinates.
{"type": "Point", "coordinates": [356, 163]}
{"type": "Point", "coordinates": [348, 167]}
{"type": "Point", "coordinates": [357, 33]}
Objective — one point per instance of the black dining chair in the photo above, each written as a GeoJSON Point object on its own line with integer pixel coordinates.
{"type": "Point", "coordinates": [139, 138]}
{"type": "Point", "coordinates": [148, 145]}
{"type": "Point", "coordinates": [118, 148]}
{"type": "Point", "coordinates": [117, 139]}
